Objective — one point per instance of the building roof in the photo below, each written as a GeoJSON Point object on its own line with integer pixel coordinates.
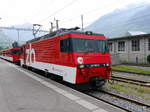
{"type": "Point", "coordinates": [130, 36]}
{"type": "Point", "coordinates": [130, 33]}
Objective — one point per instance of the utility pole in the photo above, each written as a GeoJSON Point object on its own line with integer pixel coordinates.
{"type": "Point", "coordinates": [36, 30]}
{"type": "Point", "coordinates": [18, 34]}
{"type": "Point", "coordinates": [57, 25]}
{"type": "Point", "coordinates": [82, 24]}
{"type": "Point", "coordinates": [52, 27]}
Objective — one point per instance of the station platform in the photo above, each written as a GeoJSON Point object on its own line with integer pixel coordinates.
{"type": "Point", "coordinates": [25, 91]}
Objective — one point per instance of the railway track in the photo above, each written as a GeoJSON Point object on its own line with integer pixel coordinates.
{"type": "Point", "coordinates": [119, 101]}
{"type": "Point", "coordinates": [131, 81]}
{"type": "Point", "coordinates": [144, 74]}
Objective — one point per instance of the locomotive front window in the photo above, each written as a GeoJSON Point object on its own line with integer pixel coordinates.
{"type": "Point", "coordinates": [89, 45]}
{"type": "Point", "coordinates": [83, 45]}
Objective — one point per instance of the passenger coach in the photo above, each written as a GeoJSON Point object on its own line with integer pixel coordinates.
{"type": "Point", "coordinates": [12, 55]}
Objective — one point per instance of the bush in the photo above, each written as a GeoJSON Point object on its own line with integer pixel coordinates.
{"type": "Point", "coordinates": [148, 58]}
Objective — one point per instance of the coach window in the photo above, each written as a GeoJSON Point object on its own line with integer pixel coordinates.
{"type": "Point", "coordinates": [121, 46]}
{"type": "Point", "coordinates": [65, 45]}
{"type": "Point", "coordinates": [149, 44]}
{"type": "Point", "coordinates": [136, 45]}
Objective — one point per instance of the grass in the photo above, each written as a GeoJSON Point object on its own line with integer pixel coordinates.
{"type": "Point", "coordinates": [130, 69]}
{"type": "Point", "coordinates": [136, 90]}
{"type": "Point", "coordinates": [133, 76]}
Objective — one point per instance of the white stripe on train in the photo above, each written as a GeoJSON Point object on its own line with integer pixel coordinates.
{"type": "Point", "coordinates": [68, 73]}
{"type": "Point", "coordinates": [7, 58]}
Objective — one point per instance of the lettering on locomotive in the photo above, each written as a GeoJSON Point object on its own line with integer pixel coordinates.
{"type": "Point", "coordinates": [30, 55]}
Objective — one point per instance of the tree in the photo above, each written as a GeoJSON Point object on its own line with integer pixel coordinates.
{"type": "Point", "coordinates": [15, 45]}
{"type": "Point", "coordinates": [1, 48]}
{"type": "Point", "coordinates": [148, 58]}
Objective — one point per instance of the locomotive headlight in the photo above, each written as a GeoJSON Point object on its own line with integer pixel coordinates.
{"type": "Point", "coordinates": [107, 64]}
{"type": "Point", "coordinates": [81, 66]}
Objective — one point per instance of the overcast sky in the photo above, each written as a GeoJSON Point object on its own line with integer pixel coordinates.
{"type": "Point", "coordinates": [67, 11]}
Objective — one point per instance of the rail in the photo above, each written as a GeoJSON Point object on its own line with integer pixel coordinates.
{"type": "Point", "coordinates": [131, 81]}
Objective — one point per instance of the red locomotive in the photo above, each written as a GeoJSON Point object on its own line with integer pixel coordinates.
{"type": "Point", "coordinates": [12, 54]}
{"type": "Point", "coordinates": [79, 58]}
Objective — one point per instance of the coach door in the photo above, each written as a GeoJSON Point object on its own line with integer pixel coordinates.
{"type": "Point", "coordinates": [23, 53]}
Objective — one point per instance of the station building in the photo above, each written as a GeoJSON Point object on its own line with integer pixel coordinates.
{"type": "Point", "coordinates": [131, 49]}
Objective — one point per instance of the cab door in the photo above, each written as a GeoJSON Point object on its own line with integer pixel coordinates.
{"type": "Point", "coordinates": [66, 52]}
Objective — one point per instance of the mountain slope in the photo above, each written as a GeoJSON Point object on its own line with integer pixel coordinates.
{"type": "Point", "coordinates": [22, 36]}
{"type": "Point", "coordinates": [134, 17]}
{"type": "Point", "coordinates": [5, 41]}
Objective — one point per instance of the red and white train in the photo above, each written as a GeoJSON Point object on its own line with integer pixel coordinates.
{"type": "Point", "coordinates": [79, 58]}
{"type": "Point", "coordinates": [12, 55]}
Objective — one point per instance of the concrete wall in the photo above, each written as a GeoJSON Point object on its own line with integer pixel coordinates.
{"type": "Point", "coordinates": [115, 59]}
{"type": "Point", "coordinates": [129, 56]}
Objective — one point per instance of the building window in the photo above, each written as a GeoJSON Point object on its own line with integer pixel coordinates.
{"type": "Point", "coordinates": [149, 44]}
{"type": "Point", "coordinates": [121, 46]}
{"type": "Point", "coordinates": [110, 46]}
{"type": "Point", "coordinates": [135, 45]}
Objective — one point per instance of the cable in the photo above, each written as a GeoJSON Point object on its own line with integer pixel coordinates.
{"type": "Point", "coordinates": [95, 10]}
{"type": "Point", "coordinates": [39, 10]}
{"type": "Point", "coordinates": [86, 13]}
{"type": "Point", "coordinates": [136, 19]}
{"type": "Point", "coordinates": [67, 5]}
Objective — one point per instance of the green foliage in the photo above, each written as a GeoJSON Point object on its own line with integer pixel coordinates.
{"type": "Point", "coordinates": [6, 48]}
{"type": "Point", "coordinates": [1, 48]}
{"type": "Point", "coordinates": [15, 45]}
{"type": "Point", "coordinates": [148, 58]}
{"type": "Point", "coordinates": [130, 69]}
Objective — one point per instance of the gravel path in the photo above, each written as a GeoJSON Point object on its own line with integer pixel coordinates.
{"type": "Point", "coordinates": [122, 103]}
{"type": "Point", "coordinates": [130, 96]}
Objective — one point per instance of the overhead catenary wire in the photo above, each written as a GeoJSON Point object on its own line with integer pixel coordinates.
{"type": "Point", "coordinates": [85, 13]}
{"type": "Point", "coordinates": [97, 10]}
{"type": "Point", "coordinates": [137, 20]}
{"type": "Point", "coordinates": [71, 18]}
{"type": "Point", "coordinates": [65, 21]}
{"type": "Point", "coordinates": [57, 11]}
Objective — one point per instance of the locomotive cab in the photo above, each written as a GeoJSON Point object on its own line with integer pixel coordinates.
{"type": "Point", "coordinates": [90, 55]}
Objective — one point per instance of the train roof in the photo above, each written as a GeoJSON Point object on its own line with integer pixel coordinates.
{"type": "Point", "coordinates": [61, 32]}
